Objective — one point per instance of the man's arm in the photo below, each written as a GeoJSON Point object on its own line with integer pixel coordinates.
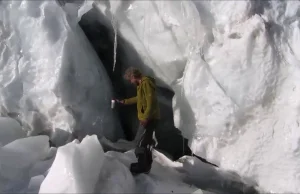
{"type": "Point", "coordinates": [129, 101]}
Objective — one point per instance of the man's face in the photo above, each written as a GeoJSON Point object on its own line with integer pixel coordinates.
{"type": "Point", "coordinates": [133, 80]}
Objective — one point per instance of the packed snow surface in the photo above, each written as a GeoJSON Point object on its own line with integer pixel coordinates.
{"type": "Point", "coordinates": [28, 165]}
{"type": "Point", "coordinates": [234, 68]}
{"type": "Point", "coordinates": [85, 168]}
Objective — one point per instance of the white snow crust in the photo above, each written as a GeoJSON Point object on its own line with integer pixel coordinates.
{"type": "Point", "coordinates": [234, 68]}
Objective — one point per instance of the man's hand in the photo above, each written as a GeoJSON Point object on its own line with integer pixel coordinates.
{"type": "Point", "coordinates": [120, 101]}
{"type": "Point", "coordinates": [144, 122]}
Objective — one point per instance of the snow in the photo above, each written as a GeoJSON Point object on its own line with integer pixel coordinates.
{"type": "Point", "coordinates": [160, 180]}
{"type": "Point", "coordinates": [76, 168]}
{"type": "Point", "coordinates": [83, 167]}
{"type": "Point", "coordinates": [166, 176]}
{"type": "Point", "coordinates": [29, 166]}
{"type": "Point", "coordinates": [234, 68]}
{"type": "Point", "coordinates": [10, 130]}
{"type": "Point", "coordinates": [154, 29]}
{"type": "Point", "coordinates": [50, 75]}
{"type": "Point", "coordinates": [18, 163]}
{"type": "Point", "coordinates": [35, 183]}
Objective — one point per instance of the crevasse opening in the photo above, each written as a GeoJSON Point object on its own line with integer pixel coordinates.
{"type": "Point", "coordinates": [227, 72]}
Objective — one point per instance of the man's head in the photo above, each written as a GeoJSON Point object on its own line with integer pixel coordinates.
{"type": "Point", "coordinates": [133, 75]}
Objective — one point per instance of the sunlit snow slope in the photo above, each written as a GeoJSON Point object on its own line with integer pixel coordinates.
{"type": "Point", "coordinates": [50, 77]}
{"type": "Point", "coordinates": [234, 68]}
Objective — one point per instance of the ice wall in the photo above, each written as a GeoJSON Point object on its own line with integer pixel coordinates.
{"type": "Point", "coordinates": [234, 68]}
{"type": "Point", "coordinates": [155, 30]}
{"type": "Point", "coordinates": [50, 76]}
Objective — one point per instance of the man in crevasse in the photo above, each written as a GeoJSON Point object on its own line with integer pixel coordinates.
{"type": "Point", "coordinates": [148, 115]}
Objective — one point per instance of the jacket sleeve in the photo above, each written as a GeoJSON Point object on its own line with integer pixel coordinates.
{"type": "Point", "coordinates": [132, 100]}
{"type": "Point", "coordinates": [149, 93]}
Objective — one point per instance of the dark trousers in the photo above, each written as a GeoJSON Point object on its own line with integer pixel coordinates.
{"type": "Point", "coordinates": [147, 137]}
{"type": "Point", "coordinates": [143, 150]}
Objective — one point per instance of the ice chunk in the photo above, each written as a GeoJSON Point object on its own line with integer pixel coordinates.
{"type": "Point", "coordinates": [41, 167]}
{"type": "Point", "coordinates": [35, 183]}
{"type": "Point", "coordinates": [19, 155]}
{"type": "Point", "coordinates": [117, 174]}
{"type": "Point", "coordinates": [76, 168]}
{"type": "Point", "coordinates": [60, 137]}
{"type": "Point", "coordinates": [16, 160]}
{"type": "Point", "coordinates": [10, 130]}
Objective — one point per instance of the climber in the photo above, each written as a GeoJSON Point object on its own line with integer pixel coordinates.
{"type": "Point", "coordinates": [148, 115]}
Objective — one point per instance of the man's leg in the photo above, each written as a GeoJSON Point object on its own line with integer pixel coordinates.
{"type": "Point", "coordinates": [143, 151]}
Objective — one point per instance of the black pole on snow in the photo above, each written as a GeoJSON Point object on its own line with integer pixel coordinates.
{"type": "Point", "coordinates": [205, 161]}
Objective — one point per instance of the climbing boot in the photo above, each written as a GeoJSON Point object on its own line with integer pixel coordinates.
{"type": "Point", "coordinates": [144, 161]}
